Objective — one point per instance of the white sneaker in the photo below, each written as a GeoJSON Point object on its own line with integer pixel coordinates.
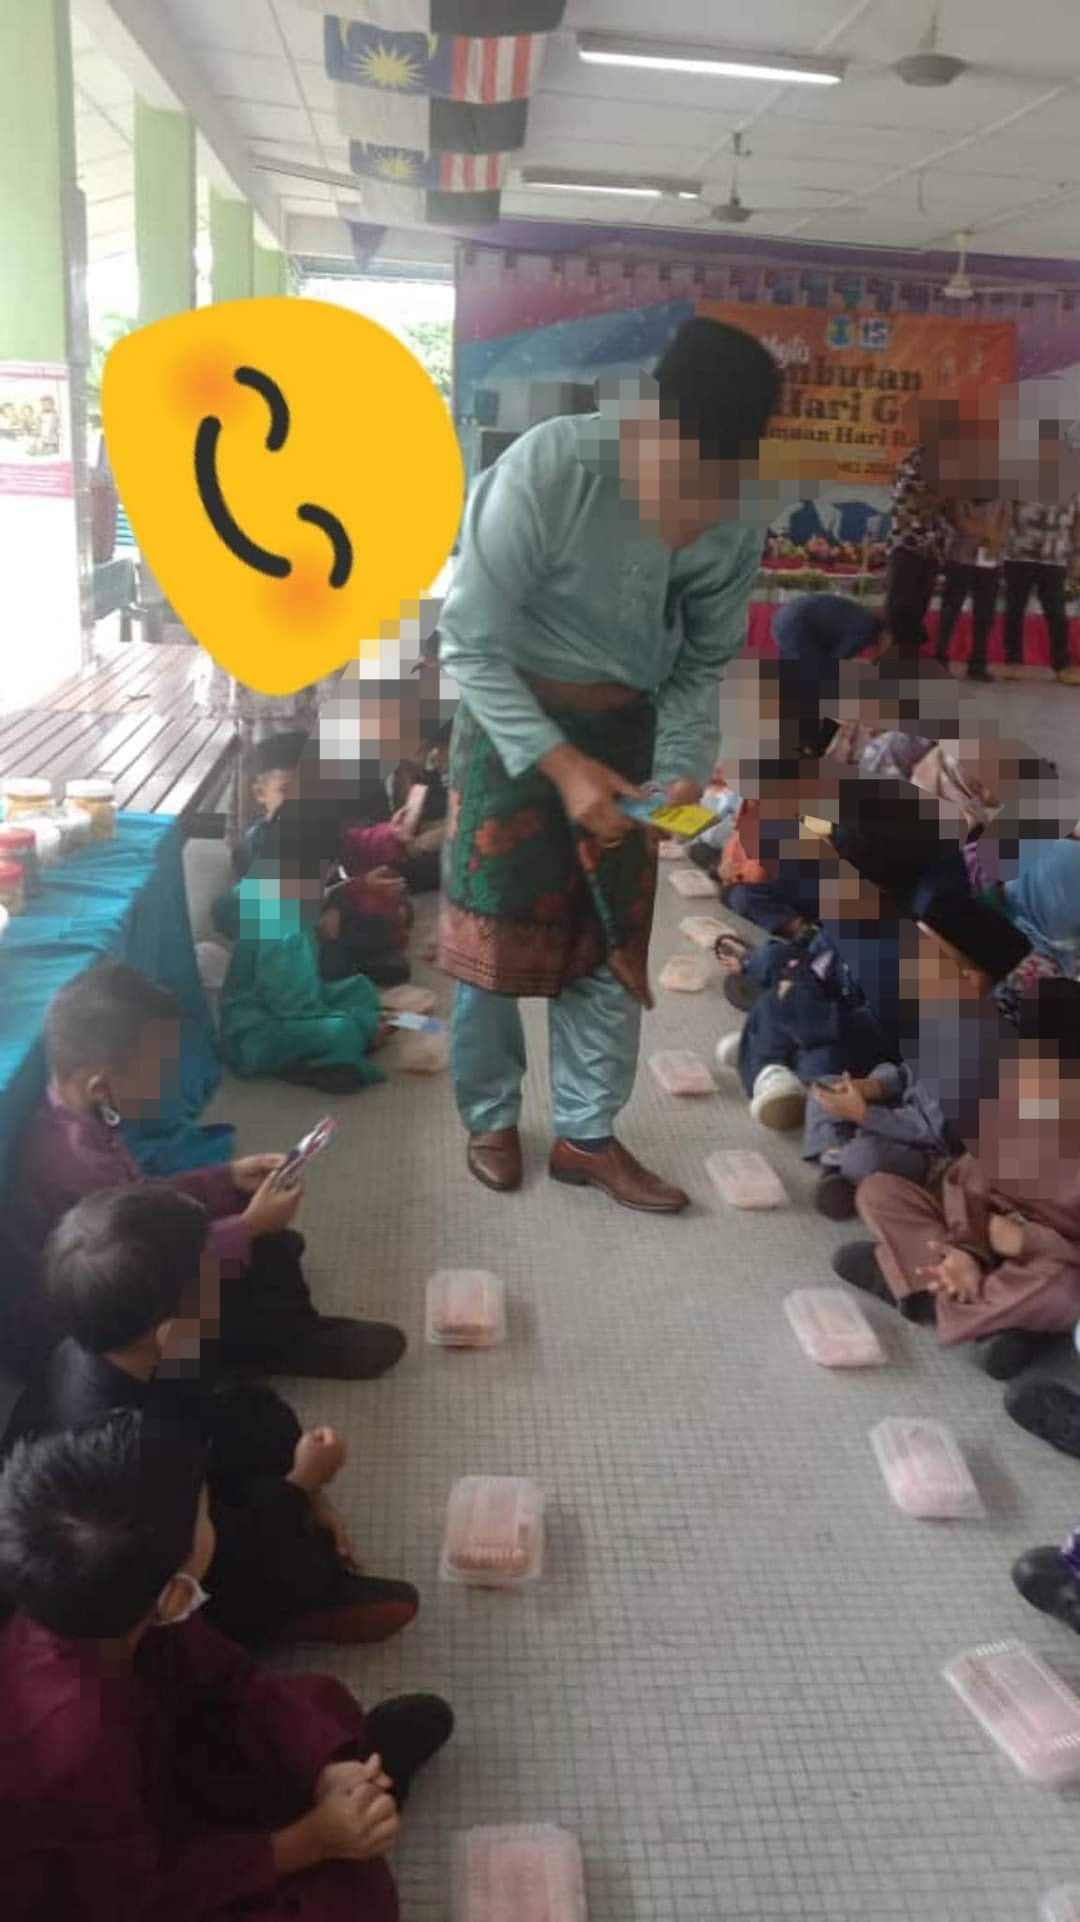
{"type": "Point", "coordinates": [727, 1049]}
{"type": "Point", "coordinates": [779, 1099]}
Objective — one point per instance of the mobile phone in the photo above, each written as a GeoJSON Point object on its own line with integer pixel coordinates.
{"type": "Point", "coordinates": [309, 1145]}
{"type": "Point", "coordinates": [414, 808]}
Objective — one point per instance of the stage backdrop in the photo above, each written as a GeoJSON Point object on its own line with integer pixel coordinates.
{"type": "Point", "coordinates": [536, 329]}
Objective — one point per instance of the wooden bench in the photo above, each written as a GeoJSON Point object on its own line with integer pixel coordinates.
{"type": "Point", "coordinates": [129, 719]}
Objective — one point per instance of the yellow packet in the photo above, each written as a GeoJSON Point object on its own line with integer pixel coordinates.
{"type": "Point", "coordinates": [686, 822]}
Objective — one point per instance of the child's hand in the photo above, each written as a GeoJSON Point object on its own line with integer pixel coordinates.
{"type": "Point", "coordinates": [271, 1209]}
{"type": "Point", "coordinates": [354, 1824]}
{"type": "Point", "coordinates": [1006, 1237]}
{"type": "Point", "coordinates": [846, 1102]}
{"type": "Point", "coordinates": [953, 1273]}
{"type": "Point", "coordinates": [385, 883]}
{"type": "Point", "coordinates": [348, 1775]}
{"type": "Point", "coordinates": [318, 1456]}
{"type": "Point", "coordinates": [326, 1516]}
{"type": "Point", "coordinates": [251, 1171]}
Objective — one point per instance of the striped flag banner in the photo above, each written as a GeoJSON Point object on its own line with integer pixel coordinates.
{"type": "Point", "coordinates": [415, 122]}
{"type": "Point", "coordinates": [411, 167]}
{"type": "Point", "coordinates": [453, 67]}
{"type": "Point", "coordinates": [392, 206]}
{"type": "Point", "coordinates": [472, 18]}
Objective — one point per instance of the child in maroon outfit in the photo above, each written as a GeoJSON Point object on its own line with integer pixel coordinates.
{"type": "Point", "coordinates": [148, 1768]}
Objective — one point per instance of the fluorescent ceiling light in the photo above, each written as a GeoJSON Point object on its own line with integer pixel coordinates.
{"type": "Point", "coordinates": [684, 56]}
{"type": "Point", "coordinates": [570, 180]}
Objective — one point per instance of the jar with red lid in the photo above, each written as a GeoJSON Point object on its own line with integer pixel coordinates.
{"type": "Point", "coordinates": [12, 893]}
{"type": "Point", "coordinates": [20, 844]}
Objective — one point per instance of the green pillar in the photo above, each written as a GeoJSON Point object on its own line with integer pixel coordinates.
{"type": "Point", "coordinates": [164, 211]}
{"type": "Point", "coordinates": [232, 240]}
{"type": "Point", "coordinates": [271, 271]}
{"type": "Point", "coordinates": [37, 178]}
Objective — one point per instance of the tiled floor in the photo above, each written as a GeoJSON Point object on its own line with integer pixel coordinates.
{"type": "Point", "coordinates": [727, 1682]}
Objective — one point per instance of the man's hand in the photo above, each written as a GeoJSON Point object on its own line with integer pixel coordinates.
{"type": "Point", "coordinates": [589, 792]}
{"type": "Point", "coordinates": [251, 1171]}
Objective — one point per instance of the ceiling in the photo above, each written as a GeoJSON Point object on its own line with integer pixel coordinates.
{"type": "Point", "coordinates": [996, 154]}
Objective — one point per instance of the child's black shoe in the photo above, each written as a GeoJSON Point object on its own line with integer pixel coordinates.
{"type": "Point", "coordinates": [834, 1196]}
{"type": "Point", "coordinates": [1045, 1579]}
{"type": "Point", "coordinates": [1049, 1410]}
{"type": "Point", "coordinates": [1008, 1354]}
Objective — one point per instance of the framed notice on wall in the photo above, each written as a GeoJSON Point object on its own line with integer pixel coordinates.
{"type": "Point", "coordinates": [35, 429]}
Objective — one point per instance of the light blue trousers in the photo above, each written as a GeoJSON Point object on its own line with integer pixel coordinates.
{"type": "Point", "coordinates": [594, 1030]}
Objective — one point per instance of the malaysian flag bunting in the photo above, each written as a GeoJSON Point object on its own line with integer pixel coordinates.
{"type": "Point", "coordinates": [473, 18]}
{"type": "Point", "coordinates": [432, 126]}
{"type": "Point", "coordinates": [392, 206]}
{"type": "Point", "coordinates": [409, 167]}
{"type": "Point", "coordinates": [453, 67]}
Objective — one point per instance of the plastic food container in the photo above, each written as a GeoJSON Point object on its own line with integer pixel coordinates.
{"type": "Point", "coordinates": [684, 974]}
{"type": "Point", "coordinates": [1023, 1706]}
{"type": "Point", "coordinates": [680, 1072]}
{"type": "Point", "coordinates": [408, 1000]}
{"type": "Point", "coordinates": [832, 1329]}
{"type": "Point", "coordinates": [743, 1179]}
{"type": "Point", "coordinates": [19, 843]}
{"type": "Point", "coordinates": [98, 799]}
{"type": "Point", "coordinates": [671, 851]}
{"type": "Point", "coordinates": [12, 886]}
{"type": "Point", "coordinates": [703, 929]}
{"type": "Point", "coordinates": [26, 797]}
{"type": "Point", "coordinates": [692, 883]}
{"type": "Point", "coordinates": [1061, 1905]}
{"type": "Point", "coordinates": [924, 1470]}
{"type": "Point", "coordinates": [466, 1308]}
{"type": "Point", "coordinates": [75, 825]}
{"type": "Point", "coordinates": [424, 1053]}
{"type": "Point", "coordinates": [494, 1532]}
{"type": "Point", "coordinates": [47, 837]}
{"type": "Point", "coordinates": [529, 1873]}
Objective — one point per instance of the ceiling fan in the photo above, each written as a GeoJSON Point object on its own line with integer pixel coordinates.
{"type": "Point", "coordinates": [929, 67]}
{"type": "Point", "coordinates": [734, 212]}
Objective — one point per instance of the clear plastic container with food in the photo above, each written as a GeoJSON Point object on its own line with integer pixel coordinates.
{"type": "Point", "coordinates": [75, 825]}
{"type": "Point", "coordinates": [408, 999]}
{"type": "Point", "coordinates": [1023, 1706]}
{"type": "Point", "coordinates": [531, 1872]}
{"type": "Point", "coordinates": [98, 800]}
{"type": "Point", "coordinates": [494, 1532]}
{"type": "Point", "coordinates": [684, 974]}
{"type": "Point", "coordinates": [680, 1072]}
{"type": "Point", "coordinates": [47, 837]}
{"type": "Point", "coordinates": [704, 930]}
{"type": "Point", "coordinates": [12, 886]}
{"type": "Point", "coordinates": [671, 851]}
{"type": "Point", "coordinates": [831, 1328]}
{"type": "Point", "coordinates": [743, 1179]}
{"type": "Point", "coordinates": [423, 1053]}
{"type": "Point", "coordinates": [26, 797]}
{"type": "Point", "coordinates": [924, 1469]}
{"type": "Point", "coordinates": [466, 1308]}
{"type": "Point", "coordinates": [1061, 1905]}
{"type": "Point", "coordinates": [693, 883]}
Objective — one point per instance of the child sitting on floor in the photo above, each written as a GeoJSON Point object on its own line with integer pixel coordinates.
{"type": "Point", "coordinates": [111, 1036]}
{"type": "Point", "coordinates": [134, 1293]}
{"type": "Point", "coordinates": [149, 1771]}
{"type": "Point", "coordinates": [995, 1250]}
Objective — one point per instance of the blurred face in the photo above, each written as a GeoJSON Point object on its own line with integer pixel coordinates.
{"type": "Point", "coordinates": [937, 972]}
{"type": "Point", "coordinates": [680, 493]}
{"type": "Point", "coordinates": [137, 1089]}
{"type": "Point", "coordinates": [271, 788]}
{"type": "Point", "coordinates": [1046, 1088]}
{"type": "Point", "coordinates": [196, 1322]}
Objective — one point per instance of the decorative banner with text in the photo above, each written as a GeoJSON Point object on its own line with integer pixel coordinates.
{"type": "Point", "coordinates": [850, 379]}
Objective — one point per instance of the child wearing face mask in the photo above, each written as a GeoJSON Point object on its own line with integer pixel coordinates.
{"type": "Point", "coordinates": [111, 1037]}
{"type": "Point", "coordinates": [133, 1293]}
{"type": "Point", "coordinates": [993, 1254]}
{"type": "Point", "coordinates": [148, 1768]}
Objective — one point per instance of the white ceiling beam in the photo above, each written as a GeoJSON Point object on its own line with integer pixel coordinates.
{"type": "Point", "coordinates": [139, 37]}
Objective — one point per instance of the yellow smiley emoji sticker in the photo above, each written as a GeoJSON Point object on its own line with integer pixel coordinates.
{"type": "Point", "coordinates": [292, 477]}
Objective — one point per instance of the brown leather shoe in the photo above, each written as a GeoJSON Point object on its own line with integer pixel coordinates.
{"type": "Point", "coordinates": [495, 1159]}
{"type": "Point", "coordinates": [619, 1175]}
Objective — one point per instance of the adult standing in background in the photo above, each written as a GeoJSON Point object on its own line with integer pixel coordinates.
{"type": "Point", "coordinates": [600, 591]}
{"type": "Point", "coordinates": [1043, 541]}
{"type": "Point", "coordinates": [919, 534]}
{"type": "Point", "coordinates": [973, 558]}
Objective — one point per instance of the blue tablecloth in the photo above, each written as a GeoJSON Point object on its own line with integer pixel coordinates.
{"type": "Point", "coordinates": [124, 898]}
